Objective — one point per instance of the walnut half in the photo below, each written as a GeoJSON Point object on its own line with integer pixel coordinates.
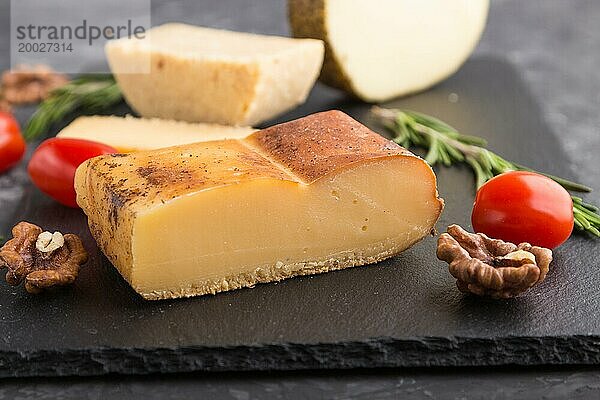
{"type": "Point", "coordinates": [24, 84]}
{"type": "Point", "coordinates": [492, 267]}
{"type": "Point", "coordinates": [41, 259]}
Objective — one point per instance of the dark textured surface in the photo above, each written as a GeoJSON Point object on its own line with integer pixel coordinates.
{"type": "Point", "coordinates": [551, 42]}
{"type": "Point", "coordinates": [370, 353]}
{"type": "Point", "coordinates": [402, 312]}
{"type": "Point", "coordinates": [469, 383]}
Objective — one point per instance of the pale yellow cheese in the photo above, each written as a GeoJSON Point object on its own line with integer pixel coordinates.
{"type": "Point", "coordinates": [378, 50]}
{"type": "Point", "coordinates": [128, 133]}
{"type": "Point", "coordinates": [309, 196]}
{"type": "Point", "coordinates": [197, 74]}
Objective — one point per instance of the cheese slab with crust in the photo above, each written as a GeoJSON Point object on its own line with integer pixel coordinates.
{"type": "Point", "coordinates": [196, 74]}
{"type": "Point", "coordinates": [317, 194]}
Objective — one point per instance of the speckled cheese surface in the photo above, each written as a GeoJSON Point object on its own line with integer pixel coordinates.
{"type": "Point", "coordinates": [313, 195]}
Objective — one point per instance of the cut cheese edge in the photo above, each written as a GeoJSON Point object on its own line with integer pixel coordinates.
{"type": "Point", "coordinates": [127, 134]}
{"type": "Point", "coordinates": [313, 195]}
{"type": "Point", "coordinates": [389, 48]}
{"type": "Point", "coordinates": [208, 75]}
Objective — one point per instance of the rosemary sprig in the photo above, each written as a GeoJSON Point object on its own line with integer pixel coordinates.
{"type": "Point", "coordinates": [445, 145]}
{"type": "Point", "coordinates": [89, 94]}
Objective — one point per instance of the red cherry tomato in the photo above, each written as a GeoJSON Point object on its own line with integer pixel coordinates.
{"type": "Point", "coordinates": [53, 164]}
{"type": "Point", "coordinates": [12, 145]}
{"type": "Point", "coordinates": [524, 207]}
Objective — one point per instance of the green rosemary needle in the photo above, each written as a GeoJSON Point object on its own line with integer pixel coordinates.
{"type": "Point", "coordinates": [445, 145]}
{"type": "Point", "coordinates": [89, 94]}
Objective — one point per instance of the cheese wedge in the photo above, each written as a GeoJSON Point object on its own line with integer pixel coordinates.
{"type": "Point", "coordinates": [127, 134]}
{"type": "Point", "coordinates": [378, 50]}
{"type": "Point", "coordinates": [208, 75]}
{"type": "Point", "coordinates": [313, 195]}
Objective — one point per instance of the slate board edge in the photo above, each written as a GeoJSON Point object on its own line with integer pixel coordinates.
{"type": "Point", "coordinates": [373, 353]}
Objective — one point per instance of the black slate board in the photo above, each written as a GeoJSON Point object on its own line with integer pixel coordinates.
{"type": "Point", "coordinates": [402, 312]}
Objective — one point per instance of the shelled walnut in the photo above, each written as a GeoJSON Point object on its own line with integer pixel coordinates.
{"type": "Point", "coordinates": [492, 267]}
{"type": "Point", "coordinates": [28, 85]}
{"type": "Point", "coordinates": [41, 259]}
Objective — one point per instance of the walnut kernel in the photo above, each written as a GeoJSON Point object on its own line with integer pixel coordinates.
{"type": "Point", "coordinates": [492, 267]}
{"type": "Point", "coordinates": [29, 84]}
{"type": "Point", "coordinates": [48, 242]}
{"type": "Point", "coordinates": [41, 259]}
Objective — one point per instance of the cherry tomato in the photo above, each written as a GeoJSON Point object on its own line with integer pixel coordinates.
{"type": "Point", "coordinates": [523, 206]}
{"type": "Point", "coordinates": [53, 164]}
{"type": "Point", "coordinates": [12, 145]}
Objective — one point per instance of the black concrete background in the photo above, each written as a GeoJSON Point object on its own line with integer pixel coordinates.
{"type": "Point", "coordinates": [553, 44]}
{"type": "Point", "coordinates": [497, 384]}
